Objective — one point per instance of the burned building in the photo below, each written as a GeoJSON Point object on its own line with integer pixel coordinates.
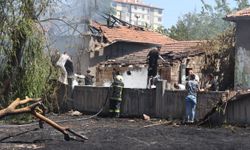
{"type": "Point", "coordinates": [242, 51]}
{"type": "Point", "coordinates": [112, 41]}
{"type": "Point", "coordinates": [181, 56]}
{"type": "Point", "coordinates": [122, 45]}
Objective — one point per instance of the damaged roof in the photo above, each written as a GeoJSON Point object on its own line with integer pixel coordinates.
{"type": "Point", "coordinates": [171, 51]}
{"type": "Point", "coordinates": [131, 34]}
{"type": "Point", "coordinates": [242, 14]}
{"type": "Point", "coordinates": [181, 47]}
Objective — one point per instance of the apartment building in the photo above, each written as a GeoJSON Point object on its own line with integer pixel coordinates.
{"type": "Point", "coordinates": [138, 13]}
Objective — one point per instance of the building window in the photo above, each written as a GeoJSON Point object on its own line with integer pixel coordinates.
{"type": "Point", "coordinates": [159, 19]}
{"type": "Point", "coordinates": [143, 9]}
{"type": "Point", "coordinates": [135, 7]}
{"type": "Point", "coordinates": [159, 11]}
{"type": "Point", "coordinates": [143, 16]}
{"type": "Point", "coordinates": [124, 5]}
{"type": "Point", "coordinates": [114, 4]}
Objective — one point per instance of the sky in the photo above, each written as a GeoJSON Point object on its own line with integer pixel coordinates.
{"type": "Point", "coordinates": [176, 8]}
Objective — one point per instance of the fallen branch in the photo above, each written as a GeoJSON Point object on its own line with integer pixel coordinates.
{"type": "Point", "coordinates": [157, 124]}
{"type": "Point", "coordinates": [220, 105]}
{"type": "Point", "coordinates": [33, 109]}
{"type": "Point", "coordinates": [11, 109]}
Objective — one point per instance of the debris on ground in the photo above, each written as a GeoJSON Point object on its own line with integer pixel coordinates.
{"type": "Point", "coordinates": [120, 133]}
{"type": "Point", "coordinates": [74, 113]}
{"type": "Point", "coordinates": [146, 117]}
{"type": "Point", "coordinates": [157, 124]}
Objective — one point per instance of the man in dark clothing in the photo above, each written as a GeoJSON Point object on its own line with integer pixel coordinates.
{"type": "Point", "coordinates": [116, 97]}
{"type": "Point", "coordinates": [152, 60]}
{"type": "Point", "coordinates": [192, 88]}
{"type": "Point", "coordinates": [212, 84]}
{"type": "Point", "coordinates": [88, 78]}
{"type": "Point", "coordinates": [69, 67]}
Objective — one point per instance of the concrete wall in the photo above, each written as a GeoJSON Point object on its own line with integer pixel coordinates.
{"type": "Point", "coordinates": [136, 101]}
{"type": "Point", "coordinates": [242, 55]}
{"type": "Point", "coordinates": [171, 104]}
{"type": "Point", "coordinates": [238, 111]}
{"type": "Point", "coordinates": [157, 102]}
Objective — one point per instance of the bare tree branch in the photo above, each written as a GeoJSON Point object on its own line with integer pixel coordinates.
{"type": "Point", "coordinates": [67, 23]}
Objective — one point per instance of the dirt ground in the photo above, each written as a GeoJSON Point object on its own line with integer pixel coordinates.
{"type": "Point", "coordinates": [124, 134]}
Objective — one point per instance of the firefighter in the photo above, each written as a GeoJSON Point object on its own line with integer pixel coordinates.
{"type": "Point", "coordinates": [116, 97]}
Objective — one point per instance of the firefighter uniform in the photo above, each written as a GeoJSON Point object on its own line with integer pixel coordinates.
{"type": "Point", "coordinates": [116, 97]}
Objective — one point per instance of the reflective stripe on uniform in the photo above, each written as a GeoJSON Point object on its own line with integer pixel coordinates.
{"type": "Point", "coordinates": [116, 99]}
{"type": "Point", "coordinates": [117, 86]}
{"type": "Point", "coordinates": [116, 110]}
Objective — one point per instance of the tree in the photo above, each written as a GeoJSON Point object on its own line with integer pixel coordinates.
{"type": "Point", "coordinates": [25, 61]}
{"type": "Point", "coordinates": [179, 31]}
{"type": "Point", "coordinates": [25, 67]}
{"type": "Point", "coordinates": [161, 29]}
{"type": "Point", "coordinates": [206, 24]}
{"type": "Point", "coordinates": [242, 4]}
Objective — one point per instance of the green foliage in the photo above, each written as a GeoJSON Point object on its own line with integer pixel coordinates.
{"type": "Point", "coordinates": [206, 24]}
{"type": "Point", "coordinates": [161, 30]}
{"type": "Point", "coordinates": [24, 62]}
{"type": "Point", "coordinates": [220, 58]}
{"type": "Point", "coordinates": [242, 4]}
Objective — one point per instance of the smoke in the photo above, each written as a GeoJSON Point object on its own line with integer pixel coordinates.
{"type": "Point", "coordinates": [70, 30]}
{"type": "Point", "coordinates": [78, 14]}
{"type": "Point", "coordinates": [137, 79]}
